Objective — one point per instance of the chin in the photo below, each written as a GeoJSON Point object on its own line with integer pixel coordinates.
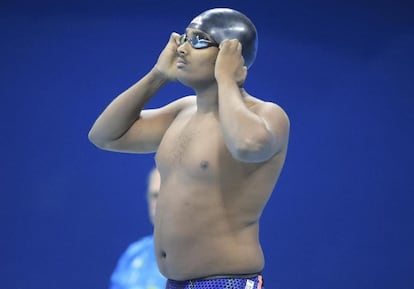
{"type": "Point", "coordinates": [193, 82]}
{"type": "Point", "coordinates": [185, 80]}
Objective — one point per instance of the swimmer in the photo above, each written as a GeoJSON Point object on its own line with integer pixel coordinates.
{"type": "Point", "coordinates": [219, 152]}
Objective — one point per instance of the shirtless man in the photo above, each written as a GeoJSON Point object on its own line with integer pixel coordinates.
{"type": "Point", "coordinates": [219, 152]}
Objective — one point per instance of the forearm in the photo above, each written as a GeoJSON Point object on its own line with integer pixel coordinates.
{"type": "Point", "coordinates": [125, 109]}
{"type": "Point", "coordinates": [245, 133]}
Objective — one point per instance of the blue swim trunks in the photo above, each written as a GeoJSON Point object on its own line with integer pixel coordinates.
{"type": "Point", "coordinates": [220, 282]}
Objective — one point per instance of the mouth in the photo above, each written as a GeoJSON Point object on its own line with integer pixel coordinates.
{"type": "Point", "coordinates": [180, 63]}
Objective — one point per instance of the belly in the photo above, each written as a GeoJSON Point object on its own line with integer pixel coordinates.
{"type": "Point", "coordinates": [207, 210]}
{"type": "Point", "coordinates": [198, 233]}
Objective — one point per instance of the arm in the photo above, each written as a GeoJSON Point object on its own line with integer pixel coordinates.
{"type": "Point", "coordinates": [254, 133]}
{"type": "Point", "coordinates": [124, 125]}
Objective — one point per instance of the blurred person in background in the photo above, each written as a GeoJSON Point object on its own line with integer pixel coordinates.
{"type": "Point", "coordinates": [137, 267]}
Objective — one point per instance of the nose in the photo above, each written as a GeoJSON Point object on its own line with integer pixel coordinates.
{"type": "Point", "coordinates": [182, 49]}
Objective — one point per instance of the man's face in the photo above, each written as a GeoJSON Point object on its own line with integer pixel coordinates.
{"type": "Point", "coordinates": [197, 55]}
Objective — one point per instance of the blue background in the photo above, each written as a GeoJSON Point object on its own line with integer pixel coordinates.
{"type": "Point", "coordinates": [341, 216]}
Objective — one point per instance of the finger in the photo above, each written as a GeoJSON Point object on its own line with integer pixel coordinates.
{"type": "Point", "coordinates": [243, 76]}
{"type": "Point", "coordinates": [221, 45]}
{"type": "Point", "coordinates": [175, 38]}
{"type": "Point", "coordinates": [242, 60]}
{"type": "Point", "coordinates": [175, 35]}
{"type": "Point", "coordinates": [239, 46]}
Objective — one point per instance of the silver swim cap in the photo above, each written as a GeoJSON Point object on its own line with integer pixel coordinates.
{"type": "Point", "coordinates": [226, 23]}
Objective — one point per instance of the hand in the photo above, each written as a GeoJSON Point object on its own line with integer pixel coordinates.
{"type": "Point", "coordinates": [166, 64]}
{"type": "Point", "coordinates": [230, 62]}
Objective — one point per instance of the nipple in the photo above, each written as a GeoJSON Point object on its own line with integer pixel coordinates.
{"type": "Point", "coordinates": [204, 165]}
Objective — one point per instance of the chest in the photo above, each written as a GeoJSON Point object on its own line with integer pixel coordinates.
{"type": "Point", "coordinates": [195, 145]}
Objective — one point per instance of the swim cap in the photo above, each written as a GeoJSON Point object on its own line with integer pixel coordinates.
{"type": "Point", "coordinates": [226, 23]}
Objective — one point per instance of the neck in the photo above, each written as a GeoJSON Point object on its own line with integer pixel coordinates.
{"type": "Point", "coordinates": [207, 99]}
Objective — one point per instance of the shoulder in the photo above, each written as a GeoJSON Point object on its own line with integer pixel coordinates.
{"type": "Point", "coordinates": [185, 101]}
{"type": "Point", "coordinates": [267, 108]}
{"type": "Point", "coordinates": [274, 118]}
{"type": "Point", "coordinates": [171, 109]}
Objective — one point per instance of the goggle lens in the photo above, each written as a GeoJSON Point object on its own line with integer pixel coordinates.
{"type": "Point", "coordinates": [196, 42]}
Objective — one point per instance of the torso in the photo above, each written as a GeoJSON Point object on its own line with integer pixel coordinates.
{"type": "Point", "coordinates": [209, 203]}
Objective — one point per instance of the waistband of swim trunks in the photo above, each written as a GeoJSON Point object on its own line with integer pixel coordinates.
{"type": "Point", "coordinates": [225, 276]}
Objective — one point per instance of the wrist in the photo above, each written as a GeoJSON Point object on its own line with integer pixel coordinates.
{"type": "Point", "coordinates": [226, 81]}
{"type": "Point", "coordinates": [158, 76]}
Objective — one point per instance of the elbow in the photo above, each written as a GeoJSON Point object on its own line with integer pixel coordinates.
{"type": "Point", "coordinates": [94, 138]}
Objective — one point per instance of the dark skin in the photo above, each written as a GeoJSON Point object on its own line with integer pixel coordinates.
{"type": "Point", "coordinates": [219, 153]}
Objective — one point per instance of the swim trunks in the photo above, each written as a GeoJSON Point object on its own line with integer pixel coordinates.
{"type": "Point", "coordinates": [220, 282]}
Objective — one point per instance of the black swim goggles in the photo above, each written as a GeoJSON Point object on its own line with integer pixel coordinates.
{"type": "Point", "coordinates": [197, 41]}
